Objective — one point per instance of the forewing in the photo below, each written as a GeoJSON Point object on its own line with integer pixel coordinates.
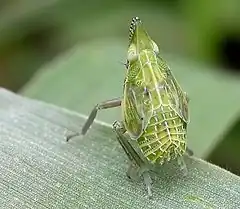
{"type": "Point", "coordinates": [137, 109]}
{"type": "Point", "coordinates": [177, 98]}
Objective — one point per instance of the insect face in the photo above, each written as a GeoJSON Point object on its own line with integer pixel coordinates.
{"type": "Point", "coordinates": [139, 40]}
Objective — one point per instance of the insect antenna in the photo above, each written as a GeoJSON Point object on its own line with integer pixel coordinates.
{"type": "Point", "coordinates": [124, 63]}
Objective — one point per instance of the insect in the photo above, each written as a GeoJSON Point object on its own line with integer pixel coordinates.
{"type": "Point", "coordinates": [154, 109]}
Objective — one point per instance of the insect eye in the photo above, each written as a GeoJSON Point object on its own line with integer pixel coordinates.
{"type": "Point", "coordinates": [132, 53]}
{"type": "Point", "coordinates": [155, 47]}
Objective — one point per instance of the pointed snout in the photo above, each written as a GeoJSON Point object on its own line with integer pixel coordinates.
{"type": "Point", "coordinates": [138, 35]}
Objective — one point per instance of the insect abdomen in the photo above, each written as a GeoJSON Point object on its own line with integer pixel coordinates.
{"type": "Point", "coordinates": [164, 137]}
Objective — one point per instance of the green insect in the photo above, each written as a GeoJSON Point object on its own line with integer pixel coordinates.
{"type": "Point", "coordinates": [154, 109]}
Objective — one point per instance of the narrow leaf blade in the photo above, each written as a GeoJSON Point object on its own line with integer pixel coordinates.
{"type": "Point", "coordinates": [39, 169]}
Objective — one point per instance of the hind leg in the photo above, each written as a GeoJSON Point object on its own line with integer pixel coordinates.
{"type": "Point", "coordinates": [182, 163]}
{"type": "Point", "coordinates": [137, 167]}
{"type": "Point", "coordinates": [189, 151]}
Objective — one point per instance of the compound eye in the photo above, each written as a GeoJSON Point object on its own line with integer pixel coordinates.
{"type": "Point", "coordinates": [132, 53]}
{"type": "Point", "coordinates": [155, 47]}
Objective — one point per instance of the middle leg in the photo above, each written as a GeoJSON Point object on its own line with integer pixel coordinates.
{"type": "Point", "coordinates": [137, 167]}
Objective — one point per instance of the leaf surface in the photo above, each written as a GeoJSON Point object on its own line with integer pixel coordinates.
{"type": "Point", "coordinates": [39, 169]}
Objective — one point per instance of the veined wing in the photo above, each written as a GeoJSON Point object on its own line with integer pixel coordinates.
{"type": "Point", "coordinates": [178, 100]}
{"type": "Point", "coordinates": [137, 109]}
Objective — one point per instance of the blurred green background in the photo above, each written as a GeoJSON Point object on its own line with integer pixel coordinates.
{"type": "Point", "coordinates": [87, 42]}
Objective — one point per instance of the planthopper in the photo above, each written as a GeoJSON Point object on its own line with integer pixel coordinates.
{"type": "Point", "coordinates": [154, 109]}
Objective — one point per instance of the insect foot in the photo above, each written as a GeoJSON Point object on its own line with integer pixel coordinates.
{"type": "Point", "coordinates": [70, 136]}
{"type": "Point", "coordinates": [182, 165]}
{"type": "Point", "coordinates": [145, 172]}
{"type": "Point", "coordinates": [134, 172]}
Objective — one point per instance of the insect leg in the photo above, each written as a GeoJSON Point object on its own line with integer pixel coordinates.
{"type": "Point", "coordinates": [182, 165]}
{"type": "Point", "coordinates": [137, 166]}
{"type": "Point", "coordinates": [116, 102]}
{"type": "Point", "coordinates": [119, 129]}
{"type": "Point", "coordinates": [189, 151]}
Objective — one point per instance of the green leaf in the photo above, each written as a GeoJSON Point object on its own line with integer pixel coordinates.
{"type": "Point", "coordinates": [39, 169]}
{"type": "Point", "coordinates": [91, 73]}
